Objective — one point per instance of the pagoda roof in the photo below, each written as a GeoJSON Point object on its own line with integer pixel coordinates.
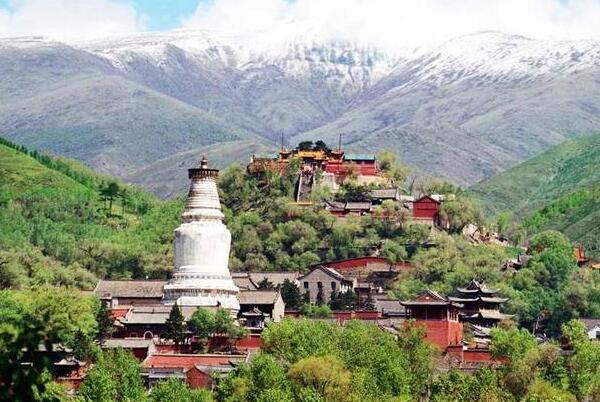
{"type": "Point", "coordinates": [477, 287]}
{"type": "Point", "coordinates": [255, 312]}
{"type": "Point", "coordinates": [478, 298]}
{"type": "Point", "coordinates": [431, 298]}
{"type": "Point", "coordinates": [490, 315]}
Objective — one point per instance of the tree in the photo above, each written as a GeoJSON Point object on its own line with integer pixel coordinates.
{"type": "Point", "coordinates": [290, 295]}
{"type": "Point", "coordinates": [265, 284]}
{"type": "Point", "coordinates": [202, 323]}
{"type": "Point", "coordinates": [116, 376]}
{"type": "Point", "coordinates": [321, 146]}
{"type": "Point", "coordinates": [369, 304]}
{"type": "Point", "coordinates": [175, 390]}
{"type": "Point", "coordinates": [44, 316]}
{"type": "Point", "coordinates": [320, 300]}
{"type": "Point", "coordinates": [460, 212]}
{"type": "Point", "coordinates": [393, 252]}
{"type": "Point", "coordinates": [223, 321]}
{"type": "Point", "coordinates": [326, 375]}
{"type": "Point", "coordinates": [514, 343]}
{"type": "Point", "coordinates": [109, 193]}
{"type": "Point", "coordinates": [83, 347]}
{"type": "Point", "coordinates": [305, 146]}
{"type": "Point", "coordinates": [503, 223]}
{"type": "Point", "coordinates": [584, 363]}
{"type": "Point", "coordinates": [315, 311]}
{"type": "Point", "coordinates": [174, 326]}
{"type": "Point", "coordinates": [104, 322]}
{"type": "Point", "coordinates": [389, 166]}
{"type": "Point", "coordinates": [541, 391]}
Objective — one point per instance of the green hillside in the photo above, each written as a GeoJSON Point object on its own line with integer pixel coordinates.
{"type": "Point", "coordinates": [565, 168]}
{"type": "Point", "coordinates": [558, 189]}
{"type": "Point", "coordinates": [61, 223]}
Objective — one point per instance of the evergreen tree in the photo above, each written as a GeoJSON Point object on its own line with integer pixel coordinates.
{"type": "Point", "coordinates": [291, 295]}
{"type": "Point", "coordinates": [104, 322]}
{"type": "Point", "coordinates": [334, 301]}
{"type": "Point", "coordinates": [306, 297]}
{"type": "Point", "coordinates": [83, 347]}
{"type": "Point", "coordinates": [346, 300]}
{"type": "Point", "coordinates": [109, 193]}
{"type": "Point", "coordinates": [265, 284]}
{"type": "Point", "coordinates": [174, 326]}
{"type": "Point", "coordinates": [369, 304]}
{"type": "Point", "coordinates": [320, 297]}
{"type": "Point", "coordinates": [305, 146]}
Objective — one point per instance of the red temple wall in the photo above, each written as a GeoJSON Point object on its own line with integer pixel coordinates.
{"type": "Point", "coordinates": [198, 379]}
{"type": "Point", "coordinates": [442, 333]}
{"type": "Point", "coordinates": [425, 208]}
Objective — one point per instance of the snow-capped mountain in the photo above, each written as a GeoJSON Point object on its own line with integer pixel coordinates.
{"type": "Point", "coordinates": [464, 109]}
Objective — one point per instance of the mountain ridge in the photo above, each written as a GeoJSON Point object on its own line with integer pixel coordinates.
{"type": "Point", "coordinates": [466, 109]}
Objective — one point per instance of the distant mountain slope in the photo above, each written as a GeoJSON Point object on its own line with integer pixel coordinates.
{"type": "Point", "coordinates": [167, 177]}
{"type": "Point", "coordinates": [558, 190]}
{"type": "Point", "coordinates": [566, 168]}
{"type": "Point", "coordinates": [466, 109]}
{"type": "Point", "coordinates": [68, 101]}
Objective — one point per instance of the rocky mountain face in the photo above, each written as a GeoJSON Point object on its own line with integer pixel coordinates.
{"type": "Point", "coordinates": [140, 106]}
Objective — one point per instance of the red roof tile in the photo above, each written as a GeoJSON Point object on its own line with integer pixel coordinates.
{"type": "Point", "coordinates": [119, 312]}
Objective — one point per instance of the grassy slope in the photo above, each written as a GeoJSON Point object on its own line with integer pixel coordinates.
{"type": "Point", "coordinates": [20, 173]}
{"type": "Point", "coordinates": [559, 189]}
{"type": "Point", "coordinates": [530, 186]}
{"type": "Point", "coordinates": [52, 207]}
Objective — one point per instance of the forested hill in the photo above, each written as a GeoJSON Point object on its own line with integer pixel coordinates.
{"type": "Point", "coordinates": [61, 223]}
{"type": "Point", "coordinates": [559, 189]}
{"type": "Point", "coordinates": [532, 185]}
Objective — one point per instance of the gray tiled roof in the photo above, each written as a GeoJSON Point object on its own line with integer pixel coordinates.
{"type": "Point", "coordinates": [385, 193]}
{"type": "Point", "coordinates": [590, 322]}
{"type": "Point", "coordinates": [129, 288]}
{"type": "Point", "coordinates": [153, 314]}
{"type": "Point", "coordinates": [127, 343]}
{"type": "Point", "coordinates": [258, 296]}
{"type": "Point", "coordinates": [361, 205]}
{"type": "Point", "coordinates": [243, 281]}
{"type": "Point", "coordinates": [276, 278]}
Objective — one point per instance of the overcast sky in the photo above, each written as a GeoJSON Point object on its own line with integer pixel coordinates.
{"type": "Point", "coordinates": [388, 23]}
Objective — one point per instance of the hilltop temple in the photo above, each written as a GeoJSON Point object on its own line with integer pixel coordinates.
{"type": "Point", "coordinates": [201, 243]}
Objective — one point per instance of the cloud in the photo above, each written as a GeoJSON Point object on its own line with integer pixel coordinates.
{"type": "Point", "coordinates": [396, 24]}
{"type": "Point", "coordinates": [68, 19]}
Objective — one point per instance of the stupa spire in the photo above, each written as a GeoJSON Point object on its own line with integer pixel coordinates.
{"type": "Point", "coordinates": [203, 197]}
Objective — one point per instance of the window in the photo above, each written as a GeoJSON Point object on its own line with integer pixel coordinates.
{"type": "Point", "coordinates": [333, 285]}
{"type": "Point", "coordinates": [320, 285]}
{"type": "Point", "coordinates": [305, 285]}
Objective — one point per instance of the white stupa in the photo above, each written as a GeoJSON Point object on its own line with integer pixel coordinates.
{"type": "Point", "coordinates": [202, 244]}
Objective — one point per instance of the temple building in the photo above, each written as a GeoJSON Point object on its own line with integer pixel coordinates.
{"type": "Point", "coordinates": [201, 244]}
{"type": "Point", "coordinates": [439, 316]}
{"type": "Point", "coordinates": [481, 304]}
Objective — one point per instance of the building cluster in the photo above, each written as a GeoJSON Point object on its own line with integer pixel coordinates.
{"type": "Point", "coordinates": [334, 167]}
{"type": "Point", "coordinates": [201, 279]}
